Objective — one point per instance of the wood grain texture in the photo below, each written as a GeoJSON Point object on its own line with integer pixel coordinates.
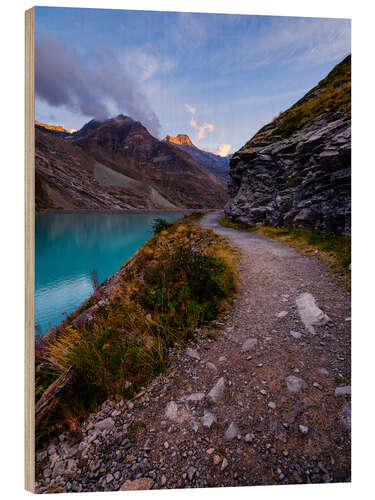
{"type": "Point", "coordinates": [29, 251]}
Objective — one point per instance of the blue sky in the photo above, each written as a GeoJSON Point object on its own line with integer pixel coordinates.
{"type": "Point", "coordinates": [216, 77]}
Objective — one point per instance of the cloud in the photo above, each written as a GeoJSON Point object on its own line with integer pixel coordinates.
{"type": "Point", "coordinates": [62, 78]}
{"type": "Point", "coordinates": [202, 128]}
{"type": "Point", "coordinates": [190, 108]}
{"type": "Point", "coordinates": [223, 149]}
{"type": "Point", "coordinates": [144, 65]}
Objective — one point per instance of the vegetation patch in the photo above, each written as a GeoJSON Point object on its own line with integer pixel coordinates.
{"type": "Point", "coordinates": [183, 277]}
{"type": "Point", "coordinates": [333, 248]}
{"type": "Point", "coordinates": [332, 94]}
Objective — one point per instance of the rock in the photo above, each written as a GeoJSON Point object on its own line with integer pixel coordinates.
{"type": "Point", "coordinates": [296, 335]}
{"type": "Point", "coordinates": [105, 425]}
{"type": "Point", "coordinates": [249, 344]}
{"type": "Point", "coordinates": [232, 431]}
{"type": "Point", "coordinates": [282, 314]}
{"type": "Point", "coordinates": [171, 411]}
{"type": "Point", "coordinates": [211, 366]}
{"type": "Point", "coordinates": [163, 480]}
{"type": "Point", "coordinates": [217, 459]}
{"type": "Point", "coordinates": [222, 358]}
{"type": "Point", "coordinates": [272, 405]}
{"type": "Point", "coordinates": [193, 353]}
{"type": "Point", "coordinates": [317, 386]}
{"type": "Point", "coordinates": [217, 391]}
{"type": "Point", "coordinates": [303, 429]}
{"type": "Point", "coordinates": [343, 390]}
{"type": "Point", "coordinates": [224, 465]}
{"type": "Point", "coordinates": [295, 384]}
{"type": "Point", "coordinates": [310, 313]}
{"type": "Point", "coordinates": [208, 419]}
{"type": "Point", "coordinates": [194, 425]}
{"type": "Point", "coordinates": [210, 451]}
{"type": "Point", "coordinates": [323, 371]}
{"type": "Point", "coordinates": [191, 472]}
{"type": "Point", "coordinates": [109, 478]}
{"type": "Point", "coordinates": [175, 413]}
{"type": "Point", "coordinates": [166, 445]}
{"type": "Point", "coordinates": [143, 483]}
{"type": "Point", "coordinates": [346, 416]}
{"type": "Point", "coordinates": [195, 396]}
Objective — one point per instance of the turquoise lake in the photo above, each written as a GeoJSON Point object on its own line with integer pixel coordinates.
{"type": "Point", "coordinates": [68, 247]}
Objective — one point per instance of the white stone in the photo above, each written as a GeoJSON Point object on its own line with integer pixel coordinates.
{"type": "Point", "coordinates": [272, 405]}
{"type": "Point", "coordinates": [310, 313]}
{"type": "Point", "coordinates": [249, 344]}
{"type": "Point", "coordinates": [296, 335]}
{"type": "Point", "coordinates": [211, 366]}
{"type": "Point", "coordinates": [208, 419]}
{"type": "Point", "coordinates": [193, 353]}
{"type": "Point", "coordinates": [303, 429]}
{"type": "Point", "coordinates": [343, 390]}
{"type": "Point", "coordinates": [195, 396]}
{"type": "Point", "coordinates": [282, 314]}
{"type": "Point", "coordinates": [224, 465]}
{"type": "Point", "coordinates": [295, 384]}
{"type": "Point", "coordinates": [171, 411]}
{"type": "Point", "coordinates": [106, 424]}
{"type": "Point", "coordinates": [232, 431]}
{"type": "Point", "coordinates": [217, 392]}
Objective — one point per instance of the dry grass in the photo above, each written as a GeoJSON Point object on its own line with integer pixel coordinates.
{"type": "Point", "coordinates": [182, 277]}
{"type": "Point", "coordinates": [332, 248]}
{"type": "Point", "coordinates": [331, 94]}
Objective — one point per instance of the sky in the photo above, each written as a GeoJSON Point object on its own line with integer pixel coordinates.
{"type": "Point", "coordinates": [216, 77]}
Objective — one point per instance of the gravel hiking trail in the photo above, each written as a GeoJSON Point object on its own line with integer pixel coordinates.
{"type": "Point", "coordinates": [262, 399]}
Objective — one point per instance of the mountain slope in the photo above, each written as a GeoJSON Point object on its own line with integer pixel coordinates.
{"type": "Point", "coordinates": [296, 171]}
{"type": "Point", "coordinates": [67, 178]}
{"type": "Point", "coordinates": [219, 165]}
{"type": "Point", "coordinates": [118, 165]}
{"type": "Point", "coordinates": [174, 173]}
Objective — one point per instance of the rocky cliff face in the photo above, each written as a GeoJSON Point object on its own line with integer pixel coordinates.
{"type": "Point", "coordinates": [181, 139]}
{"type": "Point", "coordinates": [296, 171]}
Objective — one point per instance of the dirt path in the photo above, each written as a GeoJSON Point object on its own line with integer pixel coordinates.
{"type": "Point", "coordinates": [279, 412]}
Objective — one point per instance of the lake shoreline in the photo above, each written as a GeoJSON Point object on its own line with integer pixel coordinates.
{"type": "Point", "coordinates": [135, 211]}
{"type": "Point", "coordinates": [70, 246]}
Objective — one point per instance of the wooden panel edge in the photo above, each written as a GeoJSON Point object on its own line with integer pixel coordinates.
{"type": "Point", "coordinates": [29, 250]}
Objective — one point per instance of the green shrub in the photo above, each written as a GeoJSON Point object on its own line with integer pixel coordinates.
{"type": "Point", "coordinates": [185, 288]}
{"type": "Point", "coordinates": [159, 224]}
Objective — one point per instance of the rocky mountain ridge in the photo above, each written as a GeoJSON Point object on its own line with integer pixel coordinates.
{"type": "Point", "coordinates": [115, 165]}
{"type": "Point", "coordinates": [54, 129]}
{"type": "Point", "coordinates": [217, 164]}
{"type": "Point", "coordinates": [181, 139]}
{"type": "Point", "coordinates": [296, 171]}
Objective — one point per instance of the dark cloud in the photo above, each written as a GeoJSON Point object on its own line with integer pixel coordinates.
{"type": "Point", "coordinates": [62, 78]}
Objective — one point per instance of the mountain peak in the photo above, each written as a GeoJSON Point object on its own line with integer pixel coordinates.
{"type": "Point", "coordinates": [181, 139]}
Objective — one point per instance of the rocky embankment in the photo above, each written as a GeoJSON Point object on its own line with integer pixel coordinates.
{"type": "Point", "coordinates": [263, 397]}
{"type": "Point", "coordinates": [296, 171]}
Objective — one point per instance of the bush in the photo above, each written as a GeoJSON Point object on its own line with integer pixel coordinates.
{"type": "Point", "coordinates": [185, 289]}
{"type": "Point", "coordinates": [159, 224]}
